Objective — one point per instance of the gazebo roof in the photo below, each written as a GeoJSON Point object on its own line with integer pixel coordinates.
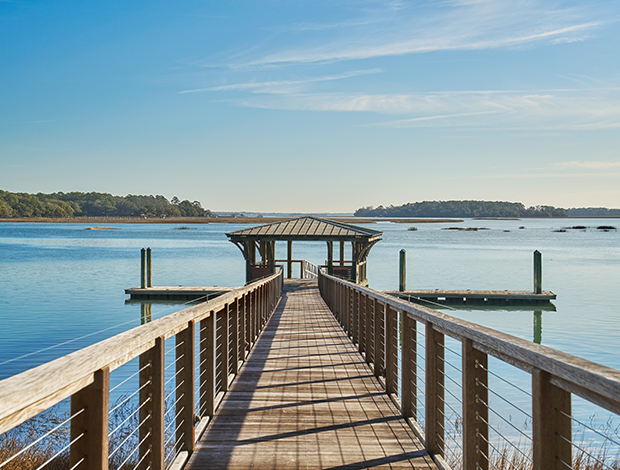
{"type": "Point", "coordinates": [306, 228]}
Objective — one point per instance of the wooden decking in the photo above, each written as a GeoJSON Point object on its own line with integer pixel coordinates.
{"type": "Point", "coordinates": [306, 399]}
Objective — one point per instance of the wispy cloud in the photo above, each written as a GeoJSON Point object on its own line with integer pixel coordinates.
{"type": "Point", "coordinates": [589, 165]}
{"type": "Point", "coordinates": [555, 110]}
{"type": "Point", "coordinates": [282, 86]}
{"type": "Point", "coordinates": [439, 26]}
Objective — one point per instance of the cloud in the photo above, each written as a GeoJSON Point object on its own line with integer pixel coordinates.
{"type": "Point", "coordinates": [589, 165]}
{"type": "Point", "coordinates": [549, 110]}
{"type": "Point", "coordinates": [436, 26]}
{"type": "Point", "coordinates": [282, 86]}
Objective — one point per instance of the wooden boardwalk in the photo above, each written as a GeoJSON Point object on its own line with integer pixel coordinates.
{"type": "Point", "coordinates": [305, 398]}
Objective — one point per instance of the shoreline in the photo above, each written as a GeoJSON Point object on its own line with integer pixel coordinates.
{"type": "Point", "coordinates": [216, 220]}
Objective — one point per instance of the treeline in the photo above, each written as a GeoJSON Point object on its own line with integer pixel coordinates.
{"type": "Point", "coordinates": [593, 212]}
{"type": "Point", "coordinates": [462, 209]}
{"type": "Point", "coordinates": [75, 204]}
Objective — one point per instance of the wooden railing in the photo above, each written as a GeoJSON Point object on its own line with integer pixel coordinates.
{"type": "Point", "coordinates": [371, 319]}
{"type": "Point", "coordinates": [307, 270]}
{"type": "Point", "coordinates": [219, 332]}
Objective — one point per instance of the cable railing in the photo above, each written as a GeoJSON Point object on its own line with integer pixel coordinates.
{"type": "Point", "coordinates": [462, 389]}
{"type": "Point", "coordinates": [175, 388]}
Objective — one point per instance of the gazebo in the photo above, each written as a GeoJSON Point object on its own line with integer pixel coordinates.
{"type": "Point", "coordinates": [262, 239]}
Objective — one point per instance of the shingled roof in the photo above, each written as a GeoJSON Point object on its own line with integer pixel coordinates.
{"type": "Point", "coordinates": [306, 228]}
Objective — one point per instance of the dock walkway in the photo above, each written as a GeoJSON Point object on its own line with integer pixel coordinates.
{"type": "Point", "coordinates": [305, 398]}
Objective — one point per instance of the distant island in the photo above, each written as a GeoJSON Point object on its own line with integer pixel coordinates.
{"type": "Point", "coordinates": [76, 204]}
{"type": "Point", "coordinates": [468, 209]}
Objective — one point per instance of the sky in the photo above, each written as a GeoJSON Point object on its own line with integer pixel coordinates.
{"type": "Point", "coordinates": [313, 106]}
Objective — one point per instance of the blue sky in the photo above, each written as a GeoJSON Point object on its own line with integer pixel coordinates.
{"type": "Point", "coordinates": [313, 106]}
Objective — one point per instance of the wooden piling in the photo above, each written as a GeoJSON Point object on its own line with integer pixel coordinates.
{"type": "Point", "coordinates": [537, 272]}
{"type": "Point", "coordinates": [143, 268]}
{"type": "Point", "coordinates": [402, 271]}
{"type": "Point", "coordinates": [149, 273]}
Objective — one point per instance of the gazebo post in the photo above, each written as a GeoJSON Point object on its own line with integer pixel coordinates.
{"type": "Point", "coordinates": [330, 257]}
{"type": "Point", "coordinates": [249, 255]}
{"type": "Point", "coordinates": [354, 265]}
{"type": "Point", "coordinates": [289, 259]}
{"type": "Point", "coordinates": [271, 256]}
{"type": "Point", "coordinates": [342, 253]}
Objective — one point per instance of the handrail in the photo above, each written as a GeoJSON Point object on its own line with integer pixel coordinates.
{"type": "Point", "coordinates": [555, 374]}
{"type": "Point", "coordinates": [309, 270]}
{"type": "Point", "coordinates": [247, 308]}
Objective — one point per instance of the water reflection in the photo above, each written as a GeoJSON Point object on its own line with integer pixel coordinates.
{"type": "Point", "coordinates": [146, 313]}
{"type": "Point", "coordinates": [538, 326]}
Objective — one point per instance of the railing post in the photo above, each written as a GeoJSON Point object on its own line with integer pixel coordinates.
{"type": "Point", "coordinates": [434, 422]}
{"type": "Point", "coordinates": [551, 423]}
{"type": "Point", "coordinates": [234, 325]}
{"type": "Point", "coordinates": [391, 350]}
{"type": "Point", "coordinates": [409, 372]}
{"type": "Point", "coordinates": [152, 415]}
{"type": "Point", "coordinates": [355, 307]}
{"type": "Point", "coordinates": [91, 424]}
{"type": "Point", "coordinates": [185, 438]}
{"type": "Point", "coordinates": [361, 347]}
{"type": "Point", "coordinates": [475, 408]}
{"type": "Point", "coordinates": [222, 347]}
{"type": "Point", "coordinates": [368, 329]}
{"type": "Point", "coordinates": [208, 328]}
{"type": "Point", "coordinates": [247, 325]}
{"type": "Point", "coordinates": [378, 352]}
{"type": "Point", "coordinates": [255, 310]}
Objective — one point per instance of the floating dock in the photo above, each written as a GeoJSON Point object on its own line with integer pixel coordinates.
{"type": "Point", "coordinates": [180, 293]}
{"type": "Point", "coordinates": [475, 297]}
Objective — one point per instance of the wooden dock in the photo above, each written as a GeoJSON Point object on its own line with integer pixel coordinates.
{"type": "Point", "coordinates": [305, 398]}
{"type": "Point", "coordinates": [179, 293]}
{"type": "Point", "coordinates": [475, 297]}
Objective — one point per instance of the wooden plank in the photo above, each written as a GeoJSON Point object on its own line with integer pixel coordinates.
{"type": "Point", "coordinates": [305, 398]}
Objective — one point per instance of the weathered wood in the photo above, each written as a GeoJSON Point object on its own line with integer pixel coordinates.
{"type": "Point", "coordinates": [151, 434]}
{"type": "Point", "coordinates": [368, 329]}
{"type": "Point", "coordinates": [143, 268]}
{"type": "Point", "coordinates": [435, 395]}
{"type": "Point", "coordinates": [149, 268]}
{"type": "Point", "coordinates": [409, 367]}
{"type": "Point", "coordinates": [475, 297]}
{"type": "Point", "coordinates": [234, 327]}
{"type": "Point", "coordinates": [185, 389]}
{"type": "Point", "coordinates": [537, 272]}
{"type": "Point", "coordinates": [89, 428]}
{"type": "Point", "coordinates": [475, 409]}
{"type": "Point", "coordinates": [402, 271]}
{"type": "Point", "coordinates": [208, 367]}
{"type": "Point", "coordinates": [306, 399]}
{"type": "Point", "coordinates": [391, 350]}
{"type": "Point", "coordinates": [551, 424]}
{"type": "Point", "coordinates": [289, 259]}
{"type": "Point", "coordinates": [379, 352]}
{"type": "Point", "coordinates": [597, 378]}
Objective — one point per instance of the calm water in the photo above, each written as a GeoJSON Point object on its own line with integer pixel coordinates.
{"type": "Point", "coordinates": [59, 282]}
